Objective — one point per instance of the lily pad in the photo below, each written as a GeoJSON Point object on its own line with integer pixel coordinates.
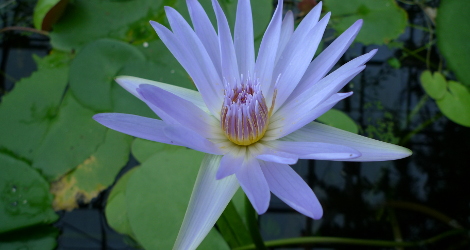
{"type": "Point", "coordinates": [116, 207]}
{"type": "Point", "coordinates": [434, 84]}
{"type": "Point", "coordinates": [339, 119]}
{"type": "Point", "coordinates": [452, 25]}
{"type": "Point", "coordinates": [455, 104]}
{"type": "Point", "coordinates": [384, 20]}
{"type": "Point", "coordinates": [71, 139]}
{"type": "Point", "coordinates": [93, 70]}
{"type": "Point", "coordinates": [157, 195]}
{"type": "Point", "coordinates": [27, 111]}
{"type": "Point", "coordinates": [95, 174]}
{"type": "Point", "coordinates": [24, 196]}
{"type": "Point", "coordinates": [47, 12]}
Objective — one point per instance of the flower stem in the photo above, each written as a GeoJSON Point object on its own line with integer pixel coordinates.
{"type": "Point", "coordinates": [350, 241]}
{"type": "Point", "coordinates": [251, 219]}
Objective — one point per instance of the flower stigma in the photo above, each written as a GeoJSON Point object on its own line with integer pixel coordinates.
{"type": "Point", "coordinates": [244, 115]}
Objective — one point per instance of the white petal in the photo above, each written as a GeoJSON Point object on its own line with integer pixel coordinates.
{"type": "Point", "coordinates": [315, 150]}
{"type": "Point", "coordinates": [254, 184]}
{"type": "Point", "coordinates": [244, 41]}
{"type": "Point", "coordinates": [286, 184]}
{"type": "Point", "coordinates": [208, 200]}
{"type": "Point", "coordinates": [227, 49]}
{"type": "Point", "coordinates": [371, 150]}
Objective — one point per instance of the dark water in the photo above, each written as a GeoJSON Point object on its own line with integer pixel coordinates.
{"type": "Point", "coordinates": [412, 199]}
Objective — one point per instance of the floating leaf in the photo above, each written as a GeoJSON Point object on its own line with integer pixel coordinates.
{"type": "Point", "coordinates": [452, 25]}
{"type": "Point", "coordinates": [339, 119]}
{"type": "Point", "coordinates": [47, 12]}
{"type": "Point", "coordinates": [27, 111]}
{"type": "Point", "coordinates": [232, 227]}
{"type": "Point", "coordinates": [116, 207]}
{"type": "Point", "coordinates": [434, 84]}
{"type": "Point", "coordinates": [85, 21]}
{"type": "Point", "coordinates": [384, 20]}
{"type": "Point", "coordinates": [93, 70]}
{"type": "Point", "coordinates": [456, 103]}
{"type": "Point", "coordinates": [24, 196]}
{"type": "Point", "coordinates": [71, 139]}
{"type": "Point", "coordinates": [157, 196]}
{"type": "Point", "coordinates": [144, 149]}
{"type": "Point", "coordinates": [95, 174]}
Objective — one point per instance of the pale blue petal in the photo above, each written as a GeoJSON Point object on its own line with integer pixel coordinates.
{"type": "Point", "coordinates": [183, 136]}
{"type": "Point", "coordinates": [231, 162]}
{"type": "Point", "coordinates": [323, 63]}
{"type": "Point", "coordinates": [288, 186]}
{"type": "Point", "coordinates": [227, 49]}
{"type": "Point", "coordinates": [254, 184]}
{"type": "Point", "coordinates": [205, 31]}
{"type": "Point", "coordinates": [295, 59]}
{"type": "Point", "coordinates": [244, 41]}
{"type": "Point", "coordinates": [267, 53]}
{"type": "Point", "coordinates": [287, 29]}
{"type": "Point", "coordinates": [370, 149]}
{"type": "Point", "coordinates": [208, 200]}
{"type": "Point", "coordinates": [183, 111]}
{"type": "Point", "coordinates": [138, 126]}
{"type": "Point", "coordinates": [268, 153]}
{"type": "Point", "coordinates": [131, 84]}
{"type": "Point", "coordinates": [316, 150]}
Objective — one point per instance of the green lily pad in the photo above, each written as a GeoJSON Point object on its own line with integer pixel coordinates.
{"type": "Point", "coordinates": [116, 207]}
{"type": "Point", "coordinates": [93, 70]}
{"type": "Point", "coordinates": [85, 21]}
{"type": "Point", "coordinates": [27, 111]}
{"type": "Point", "coordinates": [339, 119]}
{"type": "Point", "coordinates": [95, 174]}
{"type": "Point", "coordinates": [157, 195]}
{"type": "Point", "coordinates": [71, 139]}
{"type": "Point", "coordinates": [455, 104]}
{"type": "Point", "coordinates": [384, 20]}
{"type": "Point", "coordinates": [434, 85]}
{"type": "Point", "coordinates": [452, 25]}
{"type": "Point", "coordinates": [24, 196]}
{"type": "Point", "coordinates": [47, 12]}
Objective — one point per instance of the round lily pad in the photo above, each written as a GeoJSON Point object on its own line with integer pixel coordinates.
{"type": "Point", "coordinates": [434, 84]}
{"type": "Point", "coordinates": [456, 103]}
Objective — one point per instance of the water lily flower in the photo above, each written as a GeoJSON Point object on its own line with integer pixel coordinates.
{"type": "Point", "coordinates": [252, 117]}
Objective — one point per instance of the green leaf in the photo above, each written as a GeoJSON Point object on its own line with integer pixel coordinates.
{"type": "Point", "coordinates": [33, 238]}
{"type": "Point", "coordinates": [93, 70]}
{"type": "Point", "coordinates": [339, 119]}
{"type": "Point", "coordinates": [434, 84]}
{"type": "Point", "coordinates": [85, 21]}
{"type": "Point", "coordinates": [47, 12]}
{"type": "Point", "coordinates": [157, 195]}
{"type": "Point", "coordinates": [116, 207]}
{"type": "Point", "coordinates": [452, 24]}
{"type": "Point", "coordinates": [144, 149]}
{"type": "Point", "coordinates": [456, 103]}
{"type": "Point", "coordinates": [95, 174]}
{"type": "Point", "coordinates": [384, 20]}
{"type": "Point", "coordinates": [27, 111]}
{"type": "Point", "coordinates": [71, 139]}
{"type": "Point", "coordinates": [232, 228]}
{"type": "Point", "coordinates": [25, 199]}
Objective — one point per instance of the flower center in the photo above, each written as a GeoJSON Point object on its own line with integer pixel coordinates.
{"type": "Point", "coordinates": [244, 115]}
